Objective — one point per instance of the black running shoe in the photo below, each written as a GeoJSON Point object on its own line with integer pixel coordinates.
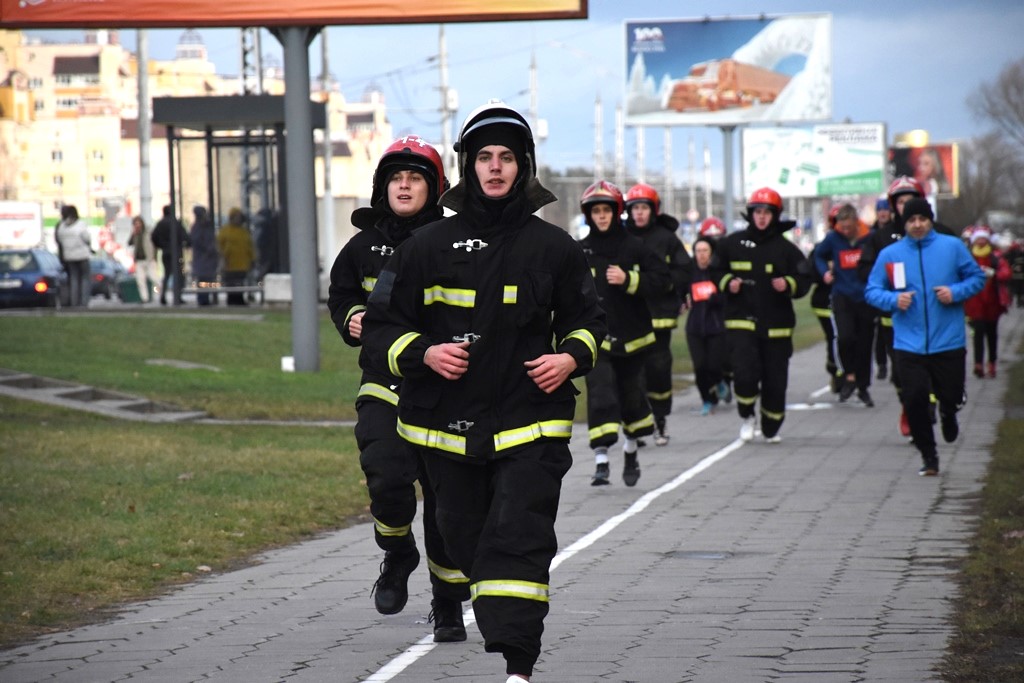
{"type": "Point", "coordinates": [391, 591]}
{"type": "Point", "coordinates": [602, 475]}
{"type": "Point", "coordinates": [865, 398]}
{"type": "Point", "coordinates": [846, 390]}
{"type": "Point", "coordinates": [950, 428]}
{"type": "Point", "coordinates": [446, 616]}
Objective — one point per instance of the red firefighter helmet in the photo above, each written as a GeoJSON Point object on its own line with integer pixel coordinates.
{"type": "Point", "coordinates": [414, 153]}
{"type": "Point", "coordinates": [766, 197]}
{"type": "Point", "coordinates": [832, 213]}
{"type": "Point", "coordinates": [602, 192]}
{"type": "Point", "coordinates": [904, 185]}
{"type": "Point", "coordinates": [644, 193]}
{"type": "Point", "coordinates": [712, 227]}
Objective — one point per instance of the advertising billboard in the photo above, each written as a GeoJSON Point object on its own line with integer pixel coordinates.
{"type": "Point", "coordinates": [725, 72]}
{"type": "Point", "coordinates": [815, 161]}
{"type": "Point", "coordinates": [936, 166]}
{"type": "Point", "coordinates": [196, 13]}
{"type": "Point", "coordinates": [21, 224]}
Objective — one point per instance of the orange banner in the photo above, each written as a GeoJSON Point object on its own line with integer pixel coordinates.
{"type": "Point", "coordinates": [192, 13]}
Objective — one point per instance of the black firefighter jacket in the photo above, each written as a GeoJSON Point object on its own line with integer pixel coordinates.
{"type": "Point", "coordinates": [660, 237]}
{"type": "Point", "coordinates": [630, 329]}
{"type": "Point", "coordinates": [353, 276]}
{"type": "Point", "coordinates": [515, 293]}
{"type": "Point", "coordinates": [756, 257]}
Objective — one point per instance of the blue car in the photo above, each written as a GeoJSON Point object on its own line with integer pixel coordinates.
{"type": "Point", "coordinates": [106, 275]}
{"type": "Point", "coordinates": [31, 277]}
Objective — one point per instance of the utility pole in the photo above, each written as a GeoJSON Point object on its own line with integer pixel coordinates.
{"type": "Point", "coordinates": [145, 128]}
{"type": "Point", "coordinates": [598, 139]}
{"type": "Point", "coordinates": [448, 107]}
{"type": "Point", "coordinates": [693, 176]}
{"type": "Point", "coordinates": [620, 146]}
{"type": "Point", "coordinates": [641, 154]}
{"type": "Point", "coordinates": [707, 184]}
{"type": "Point", "coordinates": [325, 89]}
{"type": "Point", "coordinates": [538, 134]}
{"type": "Point", "coordinates": [670, 193]}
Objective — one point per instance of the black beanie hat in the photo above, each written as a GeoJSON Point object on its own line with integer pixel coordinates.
{"type": "Point", "coordinates": [504, 134]}
{"type": "Point", "coordinates": [917, 207]}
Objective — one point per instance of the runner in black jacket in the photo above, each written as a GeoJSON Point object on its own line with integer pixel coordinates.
{"type": "Point", "coordinates": [764, 272]}
{"type": "Point", "coordinates": [406, 185]}
{"type": "Point", "coordinates": [627, 275]}
{"type": "Point", "coordinates": [658, 233]}
{"type": "Point", "coordinates": [486, 315]}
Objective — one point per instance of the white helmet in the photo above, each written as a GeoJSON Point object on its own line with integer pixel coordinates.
{"type": "Point", "coordinates": [493, 113]}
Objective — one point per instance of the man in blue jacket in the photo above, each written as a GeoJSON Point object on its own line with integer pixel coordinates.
{"type": "Point", "coordinates": [924, 280]}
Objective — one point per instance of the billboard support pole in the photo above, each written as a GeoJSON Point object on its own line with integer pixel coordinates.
{"type": "Point", "coordinates": [301, 196]}
{"type": "Point", "coordinates": [727, 142]}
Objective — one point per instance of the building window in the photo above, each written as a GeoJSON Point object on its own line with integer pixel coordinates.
{"type": "Point", "coordinates": [58, 181]}
{"type": "Point", "coordinates": [35, 83]}
{"type": "Point", "coordinates": [57, 155]}
{"type": "Point", "coordinates": [97, 155]}
{"type": "Point", "coordinates": [67, 103]}
{"type": "Point", "coordinates": [39, 105]}
{"type": "Point", "coordinates": [98, 180]}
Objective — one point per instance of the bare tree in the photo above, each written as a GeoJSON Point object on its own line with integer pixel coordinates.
{"type": "Point", "coordinates": [990, 169]}
{"type": "Point", "coordinates": [1002, 102]}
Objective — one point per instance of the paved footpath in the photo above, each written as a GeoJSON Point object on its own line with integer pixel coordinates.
{"type": "Point", "coordinates": [824, 558]}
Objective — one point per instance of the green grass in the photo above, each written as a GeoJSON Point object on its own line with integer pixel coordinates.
{"type": "Point", "coordinates": [989, 641]}
{"type": "Point", "coordinates": [118, 353]}
{"type": "Point", "coordinates": [95, 512]}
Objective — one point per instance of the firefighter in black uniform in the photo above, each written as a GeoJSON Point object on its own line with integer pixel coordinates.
{"type": "Point", "coordinates": [406, 185]}
{"type": "Point", "coordinates": [627, 274]}
{"type": "Point", "coordinates": [821, 306]}
{"type": "Point", "coordinates": [486, 315]}
{"type": "Point", "coordinates": [764, 272]}
{"type": "Point", "coordinates": [644, 218]}
{"type": "Point", "coordinates": [713, 229]}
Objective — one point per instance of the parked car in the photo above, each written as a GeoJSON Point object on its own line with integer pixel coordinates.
{"type": "Point", "coordinates": [31, 277]}
{"type": "Point", "coordinates": [106, 275]}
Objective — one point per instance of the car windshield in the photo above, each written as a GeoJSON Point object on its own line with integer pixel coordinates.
{"type": "Point", "coordinates": [17, 262]}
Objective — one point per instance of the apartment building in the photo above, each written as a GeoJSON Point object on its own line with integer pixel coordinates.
{"type": "Point", "coordinates": [69, 123]}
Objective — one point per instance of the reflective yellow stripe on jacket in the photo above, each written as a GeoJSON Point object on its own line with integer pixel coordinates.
{"type": "Point", "coordinates": [553, 429]}
{"type": "Point", "coordinates": [463, 298]}
{"type": "Point", "coordinates": [396, 350]}
{"type": "Point", "coordinates": [587, 338]}
{"type": "Point", "coordinates": [374, 390]}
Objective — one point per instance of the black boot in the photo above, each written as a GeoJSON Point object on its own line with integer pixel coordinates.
{"type": "Point", "coordinates": [631, 469]}
{"type": "Point", "coordinates": [446, 615]}
{"type": "Point", "coordinates": [391, 591]}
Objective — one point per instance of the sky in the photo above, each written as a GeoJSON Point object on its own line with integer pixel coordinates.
{"type": "Point", "coordinates": [909, 73]}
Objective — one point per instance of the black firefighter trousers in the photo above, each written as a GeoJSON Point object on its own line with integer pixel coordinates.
{"type": "Point", "coordinates": [498, 522]}
{"type": "Point", "coordinates": [392, 466]}
{"type": "Point", "coordinates": [760, 370]}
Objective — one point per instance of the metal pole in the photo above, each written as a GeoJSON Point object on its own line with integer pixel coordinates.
{"type": "Point", "coordinates": [447, 153]}
{"type": "Point", "coordinates": [301, 198]}
{"type": "Point", "coordinates": [670, 193]}
{"type": "Point", "coordinates": [598, 139]}
{"type": "Point", "coordinates": [727, 133]}
{"type": "Point", "coordinates": [145, 128]}
{"type": "Point", "coordinates": [641, 154]}
{"type": "Point", "coordinates": [325, 86]}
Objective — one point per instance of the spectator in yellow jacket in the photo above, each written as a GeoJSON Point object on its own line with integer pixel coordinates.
{"type": "Point", "coordinates": [237, 254]}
